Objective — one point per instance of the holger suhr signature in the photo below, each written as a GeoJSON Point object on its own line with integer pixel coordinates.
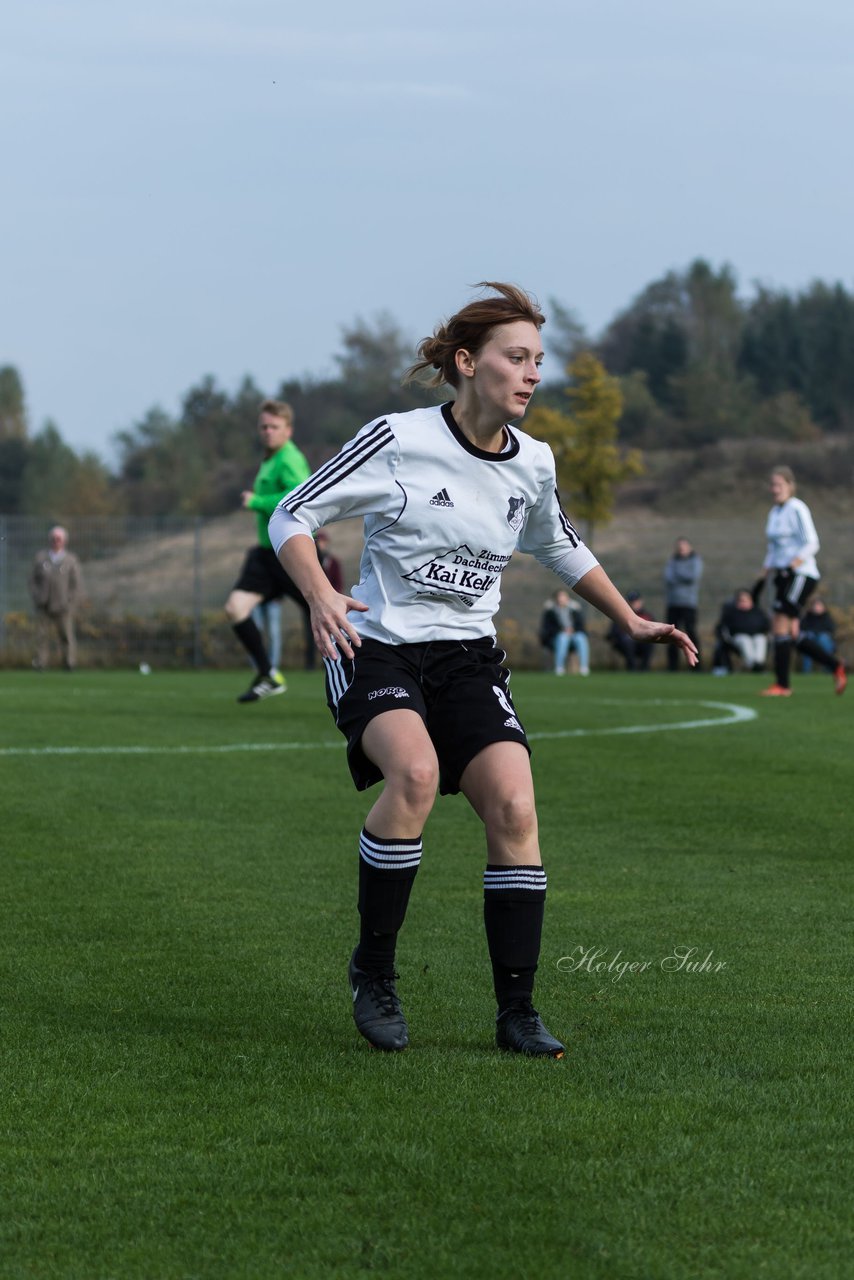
{"type": "Point", "coordinates": [600, 961]}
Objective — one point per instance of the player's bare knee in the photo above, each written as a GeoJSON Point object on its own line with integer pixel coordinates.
{"type": "Point", "coordinates": [417, 782]}
{"type": "Point", "coordinates": [235, 611]}
{"type": "Point", "coordinates": [512, 816]}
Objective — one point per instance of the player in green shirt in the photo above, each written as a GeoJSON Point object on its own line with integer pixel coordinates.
{"type": "Point", "coordinates": [262, 577]}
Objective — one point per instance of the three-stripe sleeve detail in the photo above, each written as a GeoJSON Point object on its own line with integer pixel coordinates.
{"type": "Point", "coordinates": [341, 466]}
{"type": "Point", "coordinates": [568, 529]}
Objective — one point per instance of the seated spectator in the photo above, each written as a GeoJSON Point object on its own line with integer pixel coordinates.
{"type": "Point", "coordinates": [742, 630]}
{"type": "Point", "coordinates": [635, 653]}
{"type": "Point", "coordinates": [562, 632]}
{"type": "Point", "coordinates": [818, 625]}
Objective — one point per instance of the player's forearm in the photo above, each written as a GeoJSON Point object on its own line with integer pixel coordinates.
{"type": "Point", "coordinates": [298, 557]}
{"type": "Point", "coordinates": [598, 589]}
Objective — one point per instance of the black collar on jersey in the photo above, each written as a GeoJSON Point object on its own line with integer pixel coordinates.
{"type": "Point", "coordinates": [505, 456]}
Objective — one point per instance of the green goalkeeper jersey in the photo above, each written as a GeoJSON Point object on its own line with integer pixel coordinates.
{"type": "Point", "coordinates": [276, 476]}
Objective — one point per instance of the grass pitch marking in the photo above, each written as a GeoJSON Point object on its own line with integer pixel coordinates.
{"type": "Point", "coordinates": [733, 714]}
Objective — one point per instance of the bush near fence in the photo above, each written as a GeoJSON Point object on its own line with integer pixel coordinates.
{"type": "Point", "coordinates": [170, 640]}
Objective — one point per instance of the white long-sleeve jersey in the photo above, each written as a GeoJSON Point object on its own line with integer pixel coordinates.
{"type": "Point", "coordinates": [791, 536]}
{"type": "Point", "coordinates": [441, 519]}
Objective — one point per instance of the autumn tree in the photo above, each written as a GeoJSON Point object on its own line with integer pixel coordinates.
{"type": "Point", "coordinates": [590, 462]}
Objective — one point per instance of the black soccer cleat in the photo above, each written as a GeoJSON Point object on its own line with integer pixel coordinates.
{"type": "Point", "coordinates": [520, 1030]}
{"type": "Point", "coordinates": [264, 687]}
{"type": "Point", "coordinates": [376, 1008]}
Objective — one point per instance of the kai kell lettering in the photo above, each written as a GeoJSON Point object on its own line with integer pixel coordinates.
{"type": "Point", "coordinates": [460, 578]}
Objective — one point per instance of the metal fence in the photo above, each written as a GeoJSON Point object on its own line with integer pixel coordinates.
{"type": "Point", "coordinates": [155, 587]}
{"type": "Point", "coordinates": [153, 590]}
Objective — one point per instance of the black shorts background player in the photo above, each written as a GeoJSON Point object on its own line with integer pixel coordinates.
{"type": "Point", "coordinates": [414, 676]}
{"type": "Point", "coordinates": [791, 562]}
{"type": "Point", "coordinates": [262, 577]}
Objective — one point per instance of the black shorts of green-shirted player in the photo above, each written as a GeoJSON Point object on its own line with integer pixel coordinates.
{"type": "Point", "coordinates": [460, 690]}
{"type": "Point", "coordinates": [263, 578]}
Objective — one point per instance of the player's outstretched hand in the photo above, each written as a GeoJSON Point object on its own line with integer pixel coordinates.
{"type": "Point", "coordinates": [666, 633]}
{"type": "Point", "coordinates": [333, 634]}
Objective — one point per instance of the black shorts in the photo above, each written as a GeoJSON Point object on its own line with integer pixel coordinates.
{"type": "Point", "coordinates": [791, 591]}
{"type": "Point", "coordinates": [458, 688]}
{"type": "Point", "coordinates": [262, 575]}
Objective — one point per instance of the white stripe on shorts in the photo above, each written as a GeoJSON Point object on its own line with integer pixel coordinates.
{"type": "Point", "coordinates": [338, 684]}
{"type": "Point", "coordinates": [796, 588]}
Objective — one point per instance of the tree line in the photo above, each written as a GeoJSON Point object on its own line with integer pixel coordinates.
{"type": "Point", "coordinates": [693, 361]}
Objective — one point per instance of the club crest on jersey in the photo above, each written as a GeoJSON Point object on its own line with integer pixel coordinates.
{"type": "Point", "coordinates": [441, 499]}
{"type": "Point", "coordinates": [516, 512]}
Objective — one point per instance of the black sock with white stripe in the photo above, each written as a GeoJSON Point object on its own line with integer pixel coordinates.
{"type": "Point", "coordinates": [387, 870]}
{"type": "Point", "coordinates": [514, 900]}
{"type": "Point", "coordinates": [782, 660]}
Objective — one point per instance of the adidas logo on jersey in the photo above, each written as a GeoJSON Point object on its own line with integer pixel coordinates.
{"type": "Point", "coordinates": [441, 499]}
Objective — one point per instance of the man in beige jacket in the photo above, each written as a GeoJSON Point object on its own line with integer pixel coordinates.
{"type": "Point", "coordinates": [56, 585]}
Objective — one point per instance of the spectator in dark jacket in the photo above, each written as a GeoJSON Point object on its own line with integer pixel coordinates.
{"type": "Point", "coordinates": [742, 630]}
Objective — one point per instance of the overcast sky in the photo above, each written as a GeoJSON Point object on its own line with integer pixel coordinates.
{"type": "Point", "coordinates": [200, 187]}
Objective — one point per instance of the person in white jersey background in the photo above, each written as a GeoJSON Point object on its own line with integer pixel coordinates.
{"type": "Point", "coordinates": [791, 558]}
{"type": "Point", "coordinates": [415, 679]}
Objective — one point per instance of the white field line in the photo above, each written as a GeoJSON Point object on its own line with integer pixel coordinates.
{"type": "Point", "coordinates": [734, 714]}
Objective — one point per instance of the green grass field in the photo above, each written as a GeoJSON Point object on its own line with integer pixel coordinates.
{"type": "Point", "coordinates": [184, 1093]}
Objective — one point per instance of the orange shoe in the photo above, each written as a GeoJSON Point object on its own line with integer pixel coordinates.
{"type": "Point", "coordinates": [776, 691]}
{"type": "Point", "coordinates": [840, 679]}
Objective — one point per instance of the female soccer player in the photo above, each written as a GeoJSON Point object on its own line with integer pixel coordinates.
{"type": "Point", "coordinates": [792, 548]}
{"type": "Point", "coordinates": [414, 677]}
